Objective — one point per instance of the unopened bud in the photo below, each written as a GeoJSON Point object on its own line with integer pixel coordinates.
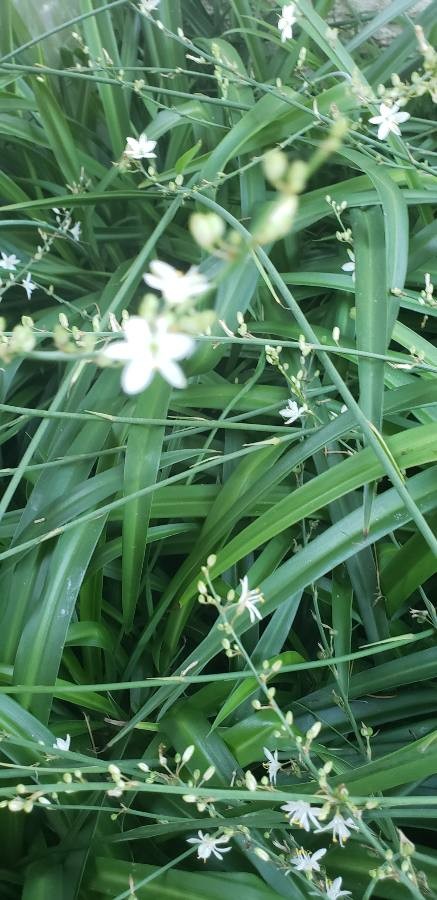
{"type": "Point", "coordinates": [206, 229]}
{"type": "Point", "coordinates": [275, 165]}
{"type": "Point", "coordinates": [187, 754]}
{"type": "Point", "coordinates": [297, 176]}
{"type": "Point", "coordinates": [276, 220]}
{"type": "Point", "coordinates": [250, 780]}
{"type": "Point", "coordinates": [314, 731]}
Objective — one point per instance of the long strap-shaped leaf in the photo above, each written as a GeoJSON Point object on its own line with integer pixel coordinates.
{"type": "Point", "coordinates": [321, 555]}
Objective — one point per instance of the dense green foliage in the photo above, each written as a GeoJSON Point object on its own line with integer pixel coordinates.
{"type": "Point", "coordinates": [111, 504]}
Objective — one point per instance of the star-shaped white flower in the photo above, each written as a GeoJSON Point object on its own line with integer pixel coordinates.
{"type": "Point", "coordinates": [75, 231]}
{"type": "Point", "coordinates": [29, 285]}
{"type": "Point", "coordinates": [307, 862]}
{"type": "Point", "coordinates": [248, 600]}
{"type": "Point", "coordinates": [61, 744]}
{"type": "Point", "coordinates": [291, 412]}
{"type": "Point", "coordinates": [273, 765]}
{"type": "Point", "coordinates": [176, 286]}
{"type": "Point", "coordinates": [389, 120]}
{"type": "Point", "coordinates": [208, 844]}
{"type": "Point", "coordinates": [147, 350]}
{"type": "Point", "coordinates": [302, 814]}
{"type": "Point", "coordinates": [350, 266]}
{"type": "Point", "coordinates": [286, 21]}
{"type": "Point", "coordinates": [341, 828]}
{"type": "Point", "coordinates": [147, 6]}
{"type": "Point", "coordinates": [9, 262]}
{"type": "Point", "coordinates": [333, 890]}
{"type": "Point", "coordinates": [140, 149]}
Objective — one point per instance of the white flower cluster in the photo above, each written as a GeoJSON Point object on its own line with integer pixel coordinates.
{"type": "Point", "coordinates": [302, 814]}
{"type": "Point", "coordinates": [150, 348]}
{"type": "Point", "coordinates": [156, 346]}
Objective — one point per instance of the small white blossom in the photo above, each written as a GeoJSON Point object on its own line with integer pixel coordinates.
{"type": "Point", "coordinates": [29, 285]}
{"type": "Point", "coordinates": [307, 862]}
{"type": "Point", "coordinates": [291, 412]}
{"type": "Point", "coordinates": [389, 120]}
{"type": "Point", "coordinates": [9, 262]}
{"type": "Point", "coordinates": [140, 149]}
{"type": "Point", "coordinates": [333, 890]}
{"type": "Point", "coordinates": [273, 766]}
{"type": "Point", "coordinates": [248, 600]}
{"type": "Point", "coordinates": [75, 231]}
{"type": "Point", "coordinates": [286, 21]}
{"type": "Point", "coordinates": [175, 286]}
{"type": "Point", "coordinates": [61, 744]}
{"type": "Point", "coordinates": [147, 6]}
{"type": "Point", "coordinates": [208, 844]}
{"type": "Point", "coordinates": [302, 813]}
{"type": "Point", "coordinates": [341, 828]}
{"type": "Point", "coordinates": [147, 350]}
{"type": "Point", "coordinates": [350, 266]}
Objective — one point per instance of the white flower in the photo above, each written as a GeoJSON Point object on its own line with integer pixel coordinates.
{"type": "Point", "coordinates": [307, 862]}
{"type": "Point", "coordinates": [350, 266]}
{"type": "Point", "coordinates": [208, 844]}
{"type": "Point", "coordinates": [248, 600]}
{"type": "Point", "coordinates": [175, 286]}
{"type": "Point", "coordinates": [333, 890]}
{"type": "Point", "coordinates": [140, 149]}
{"type": "Point", "coordinates": [273, 766]}
{"type": "Point", "coordinates": [146, 351]}
{"type": "Point", "coordinates": [29, 285]}
{"type": "Point", "coordinates": [9, 262]}
{"type": "Point", "coordinates": [389, 120]}
{"type": "Point", "coordinates": [61, 744]}
{"type": "Point", "coordinates": [75, 231]}
{"type": "Point", "coordinates": [341, 828]}
{"type": "Point", "coordinates": [286, 21]}
{"type": "Point", "coordinates": [302, 813]}
{"type": "Point", "coordinates": [147, 6]}
{"type": "Point", "coordinates": [291, 412]}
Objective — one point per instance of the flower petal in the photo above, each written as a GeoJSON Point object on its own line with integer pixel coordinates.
{"type": "Point", "coordinates": [179, 346]}
{"type": "Point", "coordinates": [138, 335]}
{"type": "Point", "coordinates": [136, 376]}
{"type": "Point", "coordinates": [172, 373]}
{"type": "Point", "coordinates": [118, 350]}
